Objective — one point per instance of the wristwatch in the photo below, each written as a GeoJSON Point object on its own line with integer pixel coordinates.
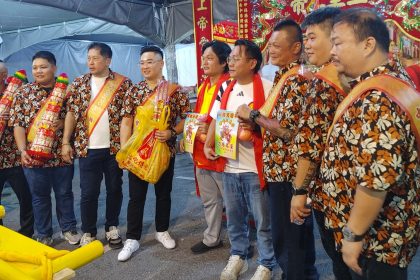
{"type": "Point", "coordinates": [253, 115]}
{"type": "Point", "coordinates": [298, 191]}
{"type": "Point", "coordinates": [351, 236]}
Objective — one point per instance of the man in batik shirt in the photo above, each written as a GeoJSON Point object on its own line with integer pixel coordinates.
{"type": "Point", "coordinates": [280, 117]}
{"type": "Point", "coordinates": [324, 94]}
{"type": "Point", "coordinates": [370, 168]}
{"type": "Point", "coordinates": [151, 65]}
{"type": "Point", "coordinates": [11, 170]}
{"type": "Point", "coordinates": [54, 173]}
{"type": "Point", "coordinates": [94, 108]}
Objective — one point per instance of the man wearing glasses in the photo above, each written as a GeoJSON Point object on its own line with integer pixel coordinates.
{"type": "Point", "coordinates": [280, 117]}
{"type": "Point", "coordinates": [242, 178]}
{"type": "Point", "coordinates": [153, 92]}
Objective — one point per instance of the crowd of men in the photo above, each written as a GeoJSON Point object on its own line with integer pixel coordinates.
{"type": "Point", "coordinates": [339, 144]}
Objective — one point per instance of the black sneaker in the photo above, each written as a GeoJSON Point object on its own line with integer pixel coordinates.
{"type": "Point", "coordinates": [113, 237]}
{"type": "Point", "coordinates": [201, 248]}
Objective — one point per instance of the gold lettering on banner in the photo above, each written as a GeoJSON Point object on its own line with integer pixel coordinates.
{"type": "Point", "coordinates": [355, 2]}
{"type": "Point", "coordinates": [202, 7]}
{"type": "Point", "coordinates": [298, 6]}
{"type": "Point", "coordinates": [202, 23]}
{"type": "Point", "coordinates": [336, 3]}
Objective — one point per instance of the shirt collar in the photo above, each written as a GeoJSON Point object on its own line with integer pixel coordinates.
{"type": "Point", "coordinates": [387, 67]}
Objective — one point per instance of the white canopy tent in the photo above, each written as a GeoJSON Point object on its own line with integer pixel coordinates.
{"type": "Point", "coordinates": [26, 28]}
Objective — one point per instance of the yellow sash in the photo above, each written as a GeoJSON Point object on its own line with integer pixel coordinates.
{"type": "Point", "coordinates": [149, 104]}
{"type": "Point", "coordinates": [329, 74]}
{"type": "Point", "coordinates": [268, 106]}
{"type": "Point", "coordinates": [36, 123]}
{"type": "Point", "coordinates": [102, 100]}
{"type": "Point", "coordinates": [397, 90]}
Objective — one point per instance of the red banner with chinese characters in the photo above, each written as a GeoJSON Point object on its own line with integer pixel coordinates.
{"type": "Point", "coordinates": [266, 13]}
{"type": "Point", "coordinates": [244, 19]}
{"type": "Point", "coordinates": [203, 23]}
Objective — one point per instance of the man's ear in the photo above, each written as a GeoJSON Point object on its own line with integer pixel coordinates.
{"type": "Point", "coordinates": [253, 63]}
{"type": "Point", "coordinates": [296, 48]}
{"type": "Point", "coordinates": [370, 46]}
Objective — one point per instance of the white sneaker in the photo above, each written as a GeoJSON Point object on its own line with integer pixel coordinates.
{"type": "Point", "coordinates": [235, 267]}
{"type": "Point", "coordinates": [130, 246]}
{"type": "Point", "coordinates": [262, 273]}
{"type": "Point", "coordinates": [114, 238]}
{"type": "Point", "coordinates": [86, 239]}
{"type": "Point", "coordinates": [72, 237]}
{"type": "Point", "coordinates": [165, 239]}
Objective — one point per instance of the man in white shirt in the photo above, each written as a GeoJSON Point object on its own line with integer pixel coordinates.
{"type": "Point", "coordinates": [242, 178]}
{"type": "Point", "coordinates": [94, 114]}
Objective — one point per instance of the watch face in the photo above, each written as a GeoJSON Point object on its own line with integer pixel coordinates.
{"type": "Point", "coordinates": [347, 233]}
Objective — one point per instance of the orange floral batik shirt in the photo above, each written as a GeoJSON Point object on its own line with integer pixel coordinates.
{"type": "Point", "coordinates": [372, 145]}
{"type": "Point", "coordinates": [280, 157]}
{"type": "Point", "coordinates": [318, 111]}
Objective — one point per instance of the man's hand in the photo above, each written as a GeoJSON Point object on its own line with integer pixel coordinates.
{"type": "Point", "coordinates": [58, 124]}
{"type": "Point", "coordinates": [163, 135]}
{"type": "Point", "coordinates": [243, 112]}
{"type": "Point", "coordinates": [181, 146]}
{"type": "Point", "coordinates": [203, 127]}
{"type": "Point", "coordinates": [298, 211]}
{"type": "Point", "coordinates": [28, 161]}
{"type": "Point", "coordinates": [67, 153]}
{"type": "Point", "coordinates": [351, 252]}
{"type": "Point", "coordinates": [210, 153]}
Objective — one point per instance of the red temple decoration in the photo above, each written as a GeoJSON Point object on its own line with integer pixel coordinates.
{"type": "Point", "coordinates": [41, 147]}
{"type": "Point", "coordinates": [6, 100]}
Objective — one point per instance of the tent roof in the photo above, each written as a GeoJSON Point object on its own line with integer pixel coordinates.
{"type": "Point", "coordinates": [19, 15]}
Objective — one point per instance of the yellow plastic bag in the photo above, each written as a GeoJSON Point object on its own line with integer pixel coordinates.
{"type": "Point", "coordinates": [143, 154]}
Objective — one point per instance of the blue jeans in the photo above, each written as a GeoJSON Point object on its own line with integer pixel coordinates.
{"type": "Point", "coordinates": [41, 181]}
{"type": "Point", "coordinates": [243, 196]}
{"type": "Point", "coordinates": [97, 164]}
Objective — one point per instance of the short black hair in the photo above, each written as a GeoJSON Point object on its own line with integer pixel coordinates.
{"type": "Point", "coordinates": [292, 28]}
{"type": "Point", "coordinates": [103, 48]}
{"type": "Point", "coordinates": [252, 51]}
{"type": "Point", "coordinates": [323, 16]}
{"type": "Point", "coordinates": [366, 23]}
{"type": "Point", "coordinates": [154, 49]}
{"type": "Point", "coordinates": [45, 55]}
{"type": "Point", "coordinates": [1, 61]}
{"type": "Point", "coordinates": [221, 49]}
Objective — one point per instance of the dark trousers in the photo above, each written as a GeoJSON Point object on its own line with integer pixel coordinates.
{"type": "Point", "coordinates": [138, 192]}
{"type": "Point", "coordinates": [294, 245]}
{"type": "Point", "coordinates": [374, 270]}
{"type": "Point", "coordinates": [16, 179]}
{"type": "Point", "coordinates": [340, 269]}
{"type": "Point", "coordinates": [93, 168]}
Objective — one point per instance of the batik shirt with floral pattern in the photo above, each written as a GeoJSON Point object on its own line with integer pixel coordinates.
{"type": "Point", "coordinates": [9, 156]}
{"type": "Point", "coordinates": [320, 104]}
{"type": "Point", "coordinates": [279, 157]}
{"type": "Point", "coordinates": [179, 105]}
{"type": "Point", "coordinates": [79, 101]}
{"type": "Point", "coordinates": [373, 145]}
{"type": "Point", "coordinates": [28, 100]}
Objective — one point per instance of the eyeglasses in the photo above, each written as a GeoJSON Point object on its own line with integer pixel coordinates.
{"type": "Point", "coordinates": [234, 59]}
{"type": "Point", "coordinates": [148, 62]}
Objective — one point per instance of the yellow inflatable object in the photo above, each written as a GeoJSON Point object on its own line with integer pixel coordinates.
{"type": "Point", "coordinates": [2, 212]}
{"type": "Point", "coordinates": [26, 259]}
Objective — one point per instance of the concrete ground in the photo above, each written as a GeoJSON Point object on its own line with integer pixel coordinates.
{"type": "Point", "coordinates": [153, 261]}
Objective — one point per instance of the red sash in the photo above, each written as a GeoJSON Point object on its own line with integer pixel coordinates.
{"type": "Point", "coordinates": [200, 159]}
{"type": "Point", "coordinates": [259, 99]}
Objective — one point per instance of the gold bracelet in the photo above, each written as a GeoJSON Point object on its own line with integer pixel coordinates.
{"type": "Point", "coordinates": [64, 144]}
